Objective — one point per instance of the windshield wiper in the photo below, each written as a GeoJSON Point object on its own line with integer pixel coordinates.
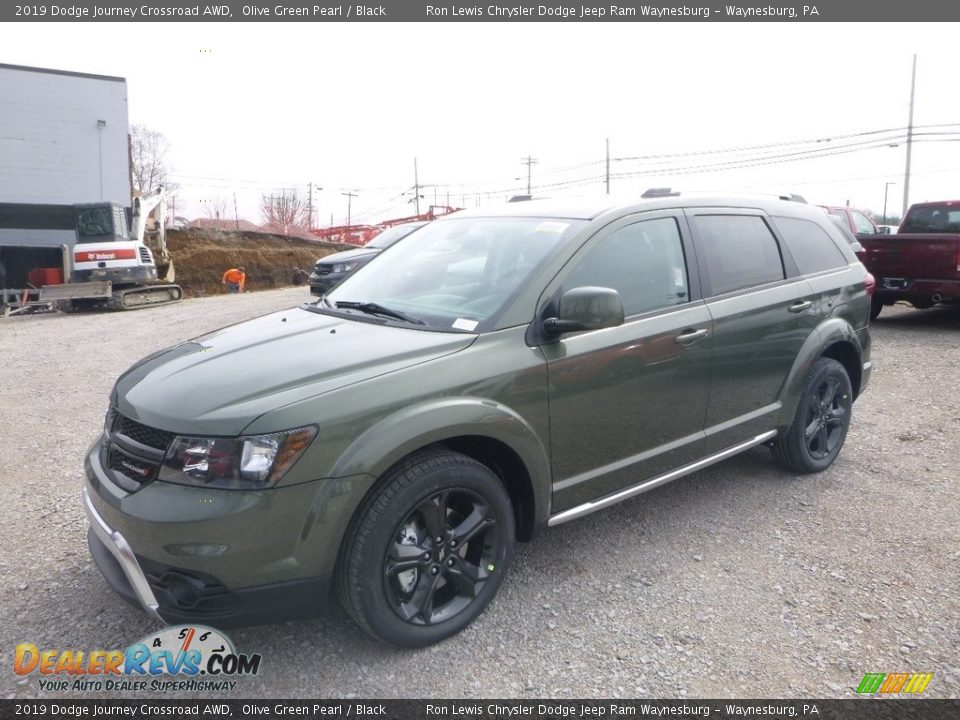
{"type": "Point", "coordinates": [372, 308]}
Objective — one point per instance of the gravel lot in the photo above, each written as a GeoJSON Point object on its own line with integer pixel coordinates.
{"type": "Point", "coordinates": [738, 581]}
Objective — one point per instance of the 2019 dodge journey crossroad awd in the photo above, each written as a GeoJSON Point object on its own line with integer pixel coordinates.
{"type": "Point", "coordinates": [511, 369]}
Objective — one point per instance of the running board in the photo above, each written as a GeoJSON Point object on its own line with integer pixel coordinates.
{"type": "Point", "coordinates": [589, 507]}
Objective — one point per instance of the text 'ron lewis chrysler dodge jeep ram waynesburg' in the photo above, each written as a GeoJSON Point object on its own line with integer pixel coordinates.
{"type": "Point", "coordinates": [505, 370]}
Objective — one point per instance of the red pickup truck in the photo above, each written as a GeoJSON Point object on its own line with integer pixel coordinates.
{"type": "Point", "coordinates": [921, 262]}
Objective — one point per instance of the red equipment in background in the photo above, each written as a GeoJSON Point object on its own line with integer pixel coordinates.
{"type": "Point", "coordinates": [362, 234]}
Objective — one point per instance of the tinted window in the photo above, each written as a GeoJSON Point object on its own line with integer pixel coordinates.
{"type": "Point", "coordinates": [738, 251]}
{"type": "Point", "coordinates": [811, 247]}
{"type": "Point", "coordinates": [643, 262]}
{"type": "Point", "coordinates": [389, 236]}
{"type": "Point", "coordinates": [863, 223]}
{"type": "Point", "coordinates": [932, 218]}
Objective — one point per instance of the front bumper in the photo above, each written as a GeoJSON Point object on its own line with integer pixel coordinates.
{"type": "Point", "coordinates": [322, 284]}
{"type": "Point", "coordinates": [270, 555]}
{"type": "Point", "coordinates": [117, 561]}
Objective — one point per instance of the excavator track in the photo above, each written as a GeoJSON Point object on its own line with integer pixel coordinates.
{"type": "Point", "coordinates": [145, 296]}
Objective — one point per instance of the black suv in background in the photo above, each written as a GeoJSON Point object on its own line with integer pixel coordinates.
{"type": "Point", "coordinates": [330, 271]}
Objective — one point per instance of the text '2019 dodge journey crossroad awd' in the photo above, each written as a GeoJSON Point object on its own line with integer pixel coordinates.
{"type": "Point", "coordinates": [509, 370]}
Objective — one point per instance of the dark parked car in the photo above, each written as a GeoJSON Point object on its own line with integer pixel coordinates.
{"type": "Point", "coordinates": [331, 270]}
{"type": "Point", "coordinates": [512, 369]}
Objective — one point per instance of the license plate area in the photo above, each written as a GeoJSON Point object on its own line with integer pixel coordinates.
{"type": "Point", "coordinates": [895, 283]}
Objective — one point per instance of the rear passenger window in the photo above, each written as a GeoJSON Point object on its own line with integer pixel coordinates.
{"type": "Point", "coordinates": [643, 262]}
{"type": "Point", "coordinates": [738, 251]}
{"type": "Point", "coordinates": [811, 247]}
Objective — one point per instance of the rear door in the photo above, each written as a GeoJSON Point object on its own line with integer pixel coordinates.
{"type": "Point", "coordinates": [762, 311]}
{"type": "Point", "coordinates": [627, 403]}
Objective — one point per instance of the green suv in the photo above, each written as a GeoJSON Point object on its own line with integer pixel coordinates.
{"type": "Point", "coordinates": [512, 369]}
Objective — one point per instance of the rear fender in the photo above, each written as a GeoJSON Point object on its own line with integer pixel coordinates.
{"type": "Point", "coordinates": [830, 332]}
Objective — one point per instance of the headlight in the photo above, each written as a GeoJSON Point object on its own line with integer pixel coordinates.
{"type": "Point", "coordinates": [244, 463]}
{"type": "Point", "coordinates": [345, 267]}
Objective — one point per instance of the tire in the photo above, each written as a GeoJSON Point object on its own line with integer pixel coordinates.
{"type": "Point", "coordinates": [66, 306]}
{"type": "Point", "coordinates": [820, 424]}
{"type": "Point", "coordinates": [876, 305]}
{"type": "Point", "coordinates": [396, 580]}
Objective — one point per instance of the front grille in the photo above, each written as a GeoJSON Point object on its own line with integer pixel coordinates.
{"type": "Point", "coordinates": [151, 437]}
{"type": "Point", "coordinates": [323, 269]}
{"type": "Point", "coordinates": [145, 257]}
{"type": "Point", "coordinates": [134, 452]}
{"type": "Point", "coordinates": [132, 467]}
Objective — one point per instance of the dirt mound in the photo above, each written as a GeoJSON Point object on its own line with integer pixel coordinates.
{"type": "Point", "coordinates": [201, 257]}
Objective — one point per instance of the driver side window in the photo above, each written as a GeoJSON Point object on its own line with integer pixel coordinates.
{"type": "Point", "coordinates": [644, 262]}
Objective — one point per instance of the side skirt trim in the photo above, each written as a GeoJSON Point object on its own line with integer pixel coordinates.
{"type": "Point", "coordinates": [589, 507]}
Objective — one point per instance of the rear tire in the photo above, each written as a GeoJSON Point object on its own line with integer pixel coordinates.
{"type": "Point", "coordinates": [428, 550]}
{"type": "Point", "coordinates": [820, 424]}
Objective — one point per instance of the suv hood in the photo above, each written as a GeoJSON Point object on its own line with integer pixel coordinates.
{"type": "Point", "coordinates": [219, 383]}
{"type": "Point", "coordinates": [347, 255]}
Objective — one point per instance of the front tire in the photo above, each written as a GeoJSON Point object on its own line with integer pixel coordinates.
{"type": "Point", "coordinates": [814, 439]}
{"type": "Point", "coordinates": [428, 550]}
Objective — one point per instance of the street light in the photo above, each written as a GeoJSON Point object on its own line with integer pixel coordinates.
{"type": "Point", "coordinates": [886, 187]}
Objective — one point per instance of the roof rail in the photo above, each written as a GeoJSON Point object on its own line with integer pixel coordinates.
{"type": "Point", "coordinates": [659, 192]}
{"type": "Point", "coordinates": [793, 197]}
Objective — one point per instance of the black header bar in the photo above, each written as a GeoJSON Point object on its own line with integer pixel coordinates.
{"type": "Point", "coordinates": [480, 11]}
{"type": "Point", "coordinates": [853, 709]}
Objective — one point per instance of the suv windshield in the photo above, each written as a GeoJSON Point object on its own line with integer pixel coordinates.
{"type": "Point", "coordinates": [459, 274]}
{"type": "Point", "coordinates": [389, 236]}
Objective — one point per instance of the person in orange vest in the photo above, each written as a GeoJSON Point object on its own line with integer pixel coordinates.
{"type": "Point", "coordinates": [234, 279]}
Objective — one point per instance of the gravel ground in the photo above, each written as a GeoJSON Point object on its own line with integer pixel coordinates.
{"type": "Point", "coordinates": [739, 581]}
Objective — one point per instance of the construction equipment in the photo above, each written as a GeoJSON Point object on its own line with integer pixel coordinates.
{"type": "Point", "coordinates": [70, 236]}
{"type": "Point", "coordinates": [103, 266]}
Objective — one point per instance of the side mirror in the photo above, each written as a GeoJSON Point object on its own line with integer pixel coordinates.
{"type": "Point", "coordinates": [586, 308]}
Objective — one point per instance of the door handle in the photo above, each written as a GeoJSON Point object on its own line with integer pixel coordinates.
{"type": "Point", "coordinates": [800, 306]}
{"type": "Point", "coordinates": [689, 337]}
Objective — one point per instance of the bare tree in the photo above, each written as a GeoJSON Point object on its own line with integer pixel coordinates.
{"type": "Point", "coordinates": [285, 210]}
{"type": "Point", "coordinates": [149, 167]}
{"type": "Point", "coordinates": [215, 208]}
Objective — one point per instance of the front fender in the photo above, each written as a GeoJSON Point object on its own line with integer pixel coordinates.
{"type": "Point", "coordinates": [397, 435]}
{"type": "Point", "coordinates": [830, 332]}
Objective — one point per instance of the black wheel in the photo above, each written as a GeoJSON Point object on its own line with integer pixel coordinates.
{"type": "Point", "coordinates": [428, 551]}
{"type": "Point", "coordinates": [66, 306]}
{"type": "Point", "coordinates": [813, 441]}
{"type": "Point", "coordinates": [876, 305]}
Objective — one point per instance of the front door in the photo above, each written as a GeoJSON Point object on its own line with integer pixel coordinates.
{"type": "Point", "coordinates": [627, 403]}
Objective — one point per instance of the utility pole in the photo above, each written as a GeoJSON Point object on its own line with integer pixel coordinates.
{"type": "Point", "coordinates": [906, 176]}
{"type": "Point", "coordinates": [310, 222]}
{"type": "Point", "coordinates": [416, 186]}
{"type": "Point", "coordinates": [529, 162]}
{"type": "Point", "coordinates": [350, 197]}
{"type": "Point", "coordinates": [236, 215]}
{"type": "Point", "coordinates": [886, 186]}
{"type": "Point", "coordinates": [608, 166]}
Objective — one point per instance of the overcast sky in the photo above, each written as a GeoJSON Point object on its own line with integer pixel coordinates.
{"type": "Point", "coordinates": [251, 108]}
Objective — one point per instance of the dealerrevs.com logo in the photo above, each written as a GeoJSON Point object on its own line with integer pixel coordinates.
{"type": "Point", "coordinates": [177, 659]}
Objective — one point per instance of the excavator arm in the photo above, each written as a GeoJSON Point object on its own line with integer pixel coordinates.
{"type": "Point", "coordinates": [151, 231]}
